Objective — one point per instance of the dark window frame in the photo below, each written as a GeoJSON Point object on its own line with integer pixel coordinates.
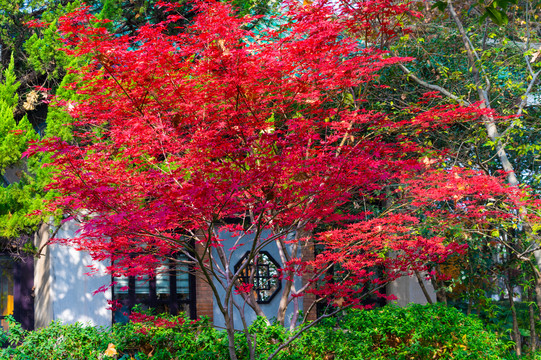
{"type": "Point", "coordinates": [244, 277]}
{"type": "Point", "coordinates": [152, 301]}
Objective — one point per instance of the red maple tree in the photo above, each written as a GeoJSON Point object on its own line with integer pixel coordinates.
{"type": "Point", "coordinates": [261, 135]}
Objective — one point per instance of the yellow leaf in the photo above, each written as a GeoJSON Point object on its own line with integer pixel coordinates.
{"type": "Point", "coordinates": [339, 302]}
{"type": "Point", "coordinates": [111, 351]}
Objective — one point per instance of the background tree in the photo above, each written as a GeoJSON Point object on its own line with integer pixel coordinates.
{"type": "Point", "coordinates": [472, 51]}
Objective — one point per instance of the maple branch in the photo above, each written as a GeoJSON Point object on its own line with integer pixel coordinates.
{"type": "Point", "coordinates": [251, 347]}
{"type": "Point", "coordinates": [102, 59]}
{"type": "Point", "coordinates": [411, 75]}
{"type": "Point", "coordinates": [38, 255]}
{"type": "Point", "coordinates": [300, 331]}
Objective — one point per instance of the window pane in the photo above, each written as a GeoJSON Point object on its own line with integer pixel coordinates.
{"type": "Point", "coordinates": [265, 280]}
{"type": "Point", "coordinates": [121, 286]}
{"type": "Point", "coordinates": [182, 277]}
{"type": "Point", "coordinates": [156, 291]}
{"type": "Point", "coordinates": [141, 285]}
{"type": "Point", "coordinates": [183, 283]}
{"type": "Point", "coordinates": [121, 316]}
{"type": "Point", "coordinates": [162, 280]}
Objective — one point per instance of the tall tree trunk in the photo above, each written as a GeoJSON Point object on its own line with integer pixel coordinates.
{"type": "Point", "coordinates": [533, 335]}
{"type": "Point", "coordinates": [439, 287]}
{"type": "Point", "coordinates": [287, 252]}
{"type": "Point", "coordinates": [423, 287]}
{"type": "Point", "coordinates": [230, 328]}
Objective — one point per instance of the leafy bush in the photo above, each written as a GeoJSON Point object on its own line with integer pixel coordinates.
{"type": "Point", "coordinates": [414, 332]}
{"type": "Point", "coordinates": [497, 317]}
{"type": "Point", "coordinates": [166, 337]}
{"type": "Point", "coordinates": [417, 332]}
{"type": "Point", "coordinates": [56, 341]}
{"type": "Point", "coordinates": [391, 332]}
{"type": "Point", "coordinates": [156, 337]}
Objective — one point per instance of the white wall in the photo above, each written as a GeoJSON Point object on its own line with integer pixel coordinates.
{"type": "Point", "coordinates": [70, 289]}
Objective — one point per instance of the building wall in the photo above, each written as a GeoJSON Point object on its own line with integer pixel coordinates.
{"type": "Point", "coordinates": [43, 311]}
{"type": "Point", "coordinates": [270, 309]}
{"type": "Point", "coordinates": [309, 300]}
{"type": "Point", "coordinates": [204, 299]}
{"type": "Point", "coordinates": [407, 290]}
{"type": "Point", "coordinates": [64, 291]}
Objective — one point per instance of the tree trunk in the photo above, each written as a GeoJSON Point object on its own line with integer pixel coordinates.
{"type": "Point", "coordinates": [515, 331]}
{"type": "Point", "coordinates": [439, 288]}
{"type": "Point", "coordinates": [230, 328]}
{"type": "Point", "coordinates": [287, 252]}
{"type": "Point", "coordinates": [284, 301]}
{"type": "Point", "coordinates": [423, 288]}
{"type": "Point", "coordinates": [533, 335]}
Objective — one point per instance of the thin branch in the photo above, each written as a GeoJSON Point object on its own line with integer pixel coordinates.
{"type": "Point", "coordinates": [38, 255]}
{"type": "Point", "coordinates": [427, 85]}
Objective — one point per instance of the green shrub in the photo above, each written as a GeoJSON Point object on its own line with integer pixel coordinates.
{"type": "Point", "coordinates": [56, 341]}
{"type": "Point", "coordinates": [417, 332]}
{"type": "Point", "coordinates": [167, 337]}
{"type": "Point", "coordinates": [414, 332]}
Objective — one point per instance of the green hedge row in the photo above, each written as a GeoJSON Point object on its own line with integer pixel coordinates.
{"type": "Point", "coordinates": [414, 332]}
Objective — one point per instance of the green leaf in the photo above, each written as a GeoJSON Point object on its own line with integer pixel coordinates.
{"type": "Point", "coordinates": [483, 18]}
{"type": "Point", "coordinates": [499, 17]}
{"type": "Point", "coordinates": [440, 5]}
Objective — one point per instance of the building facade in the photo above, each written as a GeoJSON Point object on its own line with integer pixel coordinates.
{"type": "Point", "coordinates": [56, 287]}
